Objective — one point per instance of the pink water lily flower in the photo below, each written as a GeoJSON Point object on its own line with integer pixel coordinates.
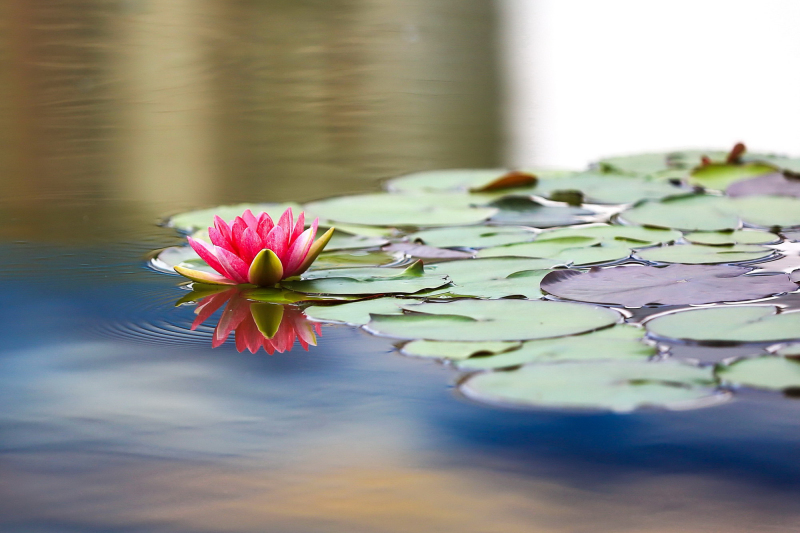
{"type": "Point", "coordinates": [256, 250]}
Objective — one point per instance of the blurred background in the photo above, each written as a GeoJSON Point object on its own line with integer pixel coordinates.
{"type": "Point", "coordinates": [194, 102]}
{"type": "Point", "coordinates": [117, 113]}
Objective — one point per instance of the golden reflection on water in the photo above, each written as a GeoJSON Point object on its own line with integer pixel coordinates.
{"type": "Point", "coordinates": [193, 102]}
{"type": "Point", "coordinates": [360, 496]}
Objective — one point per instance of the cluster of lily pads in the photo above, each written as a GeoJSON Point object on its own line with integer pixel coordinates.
{"type": "Point", "coordinates": [563, 289]}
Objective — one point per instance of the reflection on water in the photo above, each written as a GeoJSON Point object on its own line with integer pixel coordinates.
{"type": "Point", "coordinates": [255, 325]}
{"type": "Point", "coordinates": [194, 102]}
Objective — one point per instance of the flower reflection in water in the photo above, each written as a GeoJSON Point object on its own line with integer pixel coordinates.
{"type": "Point", "coordinates": [273, 326]}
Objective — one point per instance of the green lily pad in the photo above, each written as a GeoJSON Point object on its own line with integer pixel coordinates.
{"type": "Point", "coordinates": [789, 350]}
{"type": "Point", "coordinates": [768, 372]}
{"type": "Point", "coordinates": [455, 350]}
{"type": "Point", "coordinates": [696, 254]}
{"type": "Point", "coordinates": [343, 241]}
{"type": "Point", "coordinates": [728, 324]}
{"type": "Point", "coordinates": [719, 175]}
{"type": "Point", "coordinates": [492, 320]}
{"type": "Point", "coordinates": [609, 188]}
{"type": "Point", "coordinates": [724, 238]}
{"type": "Point", "coordinates": [354, 258]}
{"type": "Point", "coordinates": [203, 218]}
{"type": "Point", "coordinates": [632, 236]}
{"type": "Point", "coordinates": [473, 236]}
{"type": "Point", "coordinates": [343, 285]}
{"type": "Point", "coordinates": [620, 386]}
{"type": "Point", "coordinates": [522, 211]}
{"type": "Point", "coordinates": [168, 258]}
{"type": "Point", "coordinates": [767, 211]}
{"type": "Point", "coordinates": [476, 270]}
{"type": "Point", "coordinates": [565, 250]}
{"type": "Point", "coordinates": [619, 342]}
{"type": "Point", "coordinates": [413, 210]}
{"type": "Point", "coordinates": [456, 179]}
{"type": "Point", "coordinates": [651, 163]}
{"type": "Point", "coordinates": [688, 213]}
{"type": "Point", "coordinates": [355, 313]}
{"type": "Point", "coordinates": [524, 284]}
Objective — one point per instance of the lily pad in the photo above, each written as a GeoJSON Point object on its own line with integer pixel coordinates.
{"type": "Point", "coordinates": [456, 179]}
{"type": "Point", "coordinates": [619, 342]}
{"type": "Point", "coordinates": [725, 238]}
{"type": "Point", "coordinates": [718, 176]}
{"type": "Point", "coordinates": [688, 213]}
{"type": "Point", "coordinates": [775, 184]}
{"type": "Point", "coordinates": [632, 236]}
{"type": "Point", "coordinates": [609, 188]}
{"type": "Point", "coordinates": [768, 372]}
{"type": "Point", "coordinates": [455, 350]}
{"type": "Point", "coordinates": [355, 313]}
{"type": "Point", "coordinates": [201, 219]}
{"type": "Point", "coordinates": [492, 320]}
{"type": "Point", "coordinates": [413, 210]}
{"type": "Point", "coordinates": [767, 211]}
{"type": "Point", "coordinates": [620, 386]}
{"type": "Point", "coordinates": [657, 162]}
{"type": "Point", "coordinates": [520, 284]}
{"type": "Point", "coordinates": [344, 241]}
{"type": "Point", "coordinates": [473, 236]}
{"type": "Point", "coordinates": [477, 270]}
{"type": "Point", "coordinates": [521, 211]}
{"type": "Point", "coordinates": [354, 258]}
{"type": "Point", "coordinates": [565, 251]}
{"type": "Point", "coordinates": [367, 281]}
{"type": "Point", "coordinates": [697, 254]}
{"type": "Point", "coordinates": [728, 324]}
{"type": "Point", "coordinates": [789, 350]}
{"type": "Point", "coordinates": [168, 258]}
{"type": "Point", "coordinates": [636, 286]}
{"type": "Point", "coordinates": [423, 251]}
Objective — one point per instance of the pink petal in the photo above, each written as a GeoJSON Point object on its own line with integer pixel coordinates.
{"type": "Point", "coordinates": [250, 219]}
{"type": "Point", "coordinates": [234, 314]}
{"type": "Point", "coordinates": [247, 336]}
{"type": "Point", "coordinates": [207, 254]}
{"type": "Point", "coordinates": [265, 225]}
{"type": "Point", "coordinates": [218, 239]}
{"type": "Point", "coordinates": [209, 305]}
{"type": "Point", "coordinates": [223, 228]}
{"type": "Point", "coordinates": [235, 268]}
{"type": "Point", "coordinates": [287, 223]}
{"type": "Point", "coordinates": [277, 242]}
{"type": "Point", "coordinates": [268, 347]}
{"type": "Point", "coordinates": [299, 227]}
{"type": "Point", "coordinates": [297, 253]}
{"type": "Point", "coordinates": [237, 229]}
{"type": "Point", "coordinates": [250, 245]}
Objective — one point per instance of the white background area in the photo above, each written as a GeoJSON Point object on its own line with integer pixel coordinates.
{"type": "Point", "coordinates": [590, 78]}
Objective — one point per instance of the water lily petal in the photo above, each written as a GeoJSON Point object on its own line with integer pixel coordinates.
{"type": "Point", "coordinates": [277, 241]}
{"type": "Point", "coordinates": [218, 239]}
{"type": "Point", "coordinates": [233, 315]}
{"type": "Point", "coordinates": [266, 269]}
{"type": "Point", "coordinates": [298, 252]}
{"type": "Point", "coordinates": [235, 268]}
{"type": "Point", "coordinates": [207, 253]}
{"type": "Point", "coordinates": [314, 251]}
{"type": "Point", "coordinates": [247, 336]}
{"type": "Point", "coordinates": [265, 225]}
{"type": "Point", "coordinates": [237, 229]}
{"type": "Point", "coordinates": [209, 305]}
{"type": "Point", "coordinates": [250, 219]}
{"type": "Point", "coordinates": [203, 277]}
{"type": "Point", "coordinates": [250, 245]}
{"type": "Point", "coordinates": [223, 228]}
{"type": "Point", "coordinates": [287, 223]}
{"type": "Point", "coordinates": [298, 227]}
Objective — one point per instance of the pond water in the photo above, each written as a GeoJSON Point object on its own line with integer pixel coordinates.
{"type": "Point", "coordinates": [116, 417]}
